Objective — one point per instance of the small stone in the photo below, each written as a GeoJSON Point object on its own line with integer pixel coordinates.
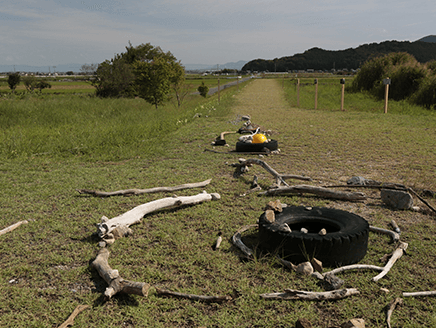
{"type": "Point", "coordinates": [285, 228]}
{"type": "Point", "coordinates": [384, 290]}
{"type": "Point", "coordinates": [354, 323]}
{"type": "Point", "coordinates": [102, 244]}
{"type": "Point", "coordinates": [357, 181]}
{"type": "Point", "coordinates": [316, 264]}
{"type": "Point", "coordinates": [332, 282]}
{"type": "Point", "coordinates": [397, 199]}
{"type": "Point", "coordinates": [270, 216]}
{"type": "Point", "coordinates": [303, 323]}
{"type": "Point", "coordinates": [304, 230]}
{"type": "Point", "coordinates": [322, 232]}
{"type": "Point", "coordinates": [304, 268]}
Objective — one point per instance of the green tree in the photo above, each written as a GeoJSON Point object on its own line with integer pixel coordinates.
{"type": "Point", "coordinates": [153, 80]}
{"type": "Point", "coordinates": [130, 74]}
{"type": "Point", "coordinates": [13, 80]}
{"type": "Point", "coordinates": [114, 78]}
{"type": "Point", "coordinates": [42, 85]}
{"type": "Point", "coordinates": [29, 82]}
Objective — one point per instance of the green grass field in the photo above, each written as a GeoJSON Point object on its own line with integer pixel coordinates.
{"type": "Point", "coordinates": [51, 146]}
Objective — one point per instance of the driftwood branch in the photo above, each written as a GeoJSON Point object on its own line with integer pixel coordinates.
{"type": "Point", "coordinates": [390, 310]}
{"type": "Point", "coordinates": [289, 294]}
{"type": "Point", "coordinates": [395, 237]}
{"type": "Point", "coordinates": [280, 178]}
{"type": "Point", "coordinates": [421, 199]}
{"type": "Point", "coordinates": [136, 214]}
{"type": "Point", "coordinates": [12, 227]}
{"type": "Point", "coordinates": [237, 241]}
{"type": "Point", "coordinates": [70, 320]}
{"type": "Point", "coordinates": [413, 294]}
{"type": "Point", "coordinates": [216, 299]}
{"type": "Point", "coordinates": [395, 256]}
{"type": "Point", "coordinates": [354, 267]}
{"type": "Point", "coordinates": [129, 192]}
{"type": "Point", "coordinates": [113, 279]}
{"type": "Point", "coordinates": [319, 191]}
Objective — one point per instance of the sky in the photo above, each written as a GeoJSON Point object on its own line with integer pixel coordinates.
{"type": "Point", "coordinates": [53, 32]}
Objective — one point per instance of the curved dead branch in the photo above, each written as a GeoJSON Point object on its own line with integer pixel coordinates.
{"type": "Point", "coordinates": [203, 298]}
{"type": "Point", "coordinates": [290, 294]}
{"type": "Point", "coordinates": [237, 241]}
{"type": "Point", "coordinates": [129, 192]}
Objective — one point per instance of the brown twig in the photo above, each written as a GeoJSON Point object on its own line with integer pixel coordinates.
{"type": "Point", "coordinates": [70, 320]}
{"type": "Point", "coordinates": [391, 308]}
{"type": "Point", "coordinates": [219, 298]}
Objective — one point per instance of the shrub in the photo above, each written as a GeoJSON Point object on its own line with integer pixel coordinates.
{"type": "Point", "coordinates": [203, 89]}
{"type": "Point", "coordinates": [426, 94]}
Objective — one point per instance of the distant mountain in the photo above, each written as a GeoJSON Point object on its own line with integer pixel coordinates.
{"type": "Point", "coordinates": [428, 38]}
{"type": "Point", "coordinates": [62, 68]}
{"type": "Point", "coordinates": [352, 58]}
{"type": "Point", "coordinates": [202, 67]}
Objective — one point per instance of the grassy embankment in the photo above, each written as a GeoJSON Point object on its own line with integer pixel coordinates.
{"type": "Point", "coordinates": [51, 147]}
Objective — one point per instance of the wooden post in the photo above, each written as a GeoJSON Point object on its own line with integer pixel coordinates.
{"type": "Point", "coordinates": [298, 92]}
{"type": "Point", "coordinates": [386, 82]}
{"type": "Point", "coordinates": [316, 94]}
{"type": "Point", "coordinates": [283, 82]}
{"type": "Point", "coordinates": [342, 94]}
{"type": "Point", "coordinates": [218, 89]}
{"type": "Point", "coordinates": [237, 81]}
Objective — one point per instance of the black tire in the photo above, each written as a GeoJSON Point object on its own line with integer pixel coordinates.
{"type": "Point", "coordinates": [346, 241]}
{"type": "Point", "coordinates": [257, 147]}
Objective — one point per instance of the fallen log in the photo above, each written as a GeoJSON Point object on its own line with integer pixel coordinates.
{"type": "Point", "coordinates": [135, 215]}
{"type": "Point", "coordinates": [319, 191]}
{"type": "Point", "coordinates": [12, 227]}
{"type": "Point", "coordinates": [395, 256]}
{"type": "Point", "coordinates": [203, 298]}
{"type": "Point", "coordinates": [113, 279]}
{"type": "Point", "coordinates": [76, 312]}
{"type": "Point", "coordinates": [390, 310]}
{"type": "Point", "coordinates": [129, 192]}
{"type": "Point", "coordinates": [290, 294]}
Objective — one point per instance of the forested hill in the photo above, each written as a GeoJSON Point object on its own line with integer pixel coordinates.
{"type": "Point", "coordinates": [353, 58]}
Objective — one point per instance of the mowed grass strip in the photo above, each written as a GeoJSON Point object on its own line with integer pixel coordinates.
{"type": "Point", "coordinates": [45, 265]}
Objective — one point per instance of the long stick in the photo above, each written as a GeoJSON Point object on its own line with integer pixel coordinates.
{"type": "Point", "coordinates": [219, 298]}
{"type": "Point", "coordinates": [144, 191]}
{"type": "Point", "coordinates": [12, 227]}
{"type": "Point", "coordinates": [290, 294]}
{"type": "Point", "coordinates": [429, 293]}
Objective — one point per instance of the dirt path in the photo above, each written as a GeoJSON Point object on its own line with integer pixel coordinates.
{"type": "Point", "coordinates": [260, 99]}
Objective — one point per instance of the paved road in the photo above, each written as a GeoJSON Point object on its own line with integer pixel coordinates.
{"type": "Point", "coordinates": [222, 87]}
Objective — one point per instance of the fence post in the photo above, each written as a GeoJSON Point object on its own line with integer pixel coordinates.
{"type": "Point", "coordinates": [342, 93]}
{"type": "Point", "coordinates": [316, 93]}
{"type": "Point", "coordinates": [298, 92]}
{"type": "Point", "coordinates": [218, 89]}
{"type": "Point", "coordinates": [386, 82]}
